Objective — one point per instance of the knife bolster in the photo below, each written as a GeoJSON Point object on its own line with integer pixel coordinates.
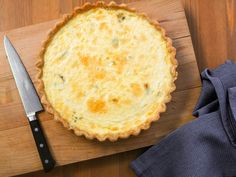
{"type": "Point", "coordinates": [32, 117]}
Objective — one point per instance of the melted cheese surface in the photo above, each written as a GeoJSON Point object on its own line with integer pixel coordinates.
{"type": "Point", "coordinates": [107, 71]}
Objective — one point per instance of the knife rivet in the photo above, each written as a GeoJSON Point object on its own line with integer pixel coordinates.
{"type": "Point", "coordinates": [36, 129]}
{"type": "Point", "coordinates": [46, 161]}
{"type": "Point", "coordinates": [41, 145]}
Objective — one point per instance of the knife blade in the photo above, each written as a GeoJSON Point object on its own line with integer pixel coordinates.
{"type": "Point", "coordinates": [25, 87]}
{"type": "Point", "coordinates": [31, 103]}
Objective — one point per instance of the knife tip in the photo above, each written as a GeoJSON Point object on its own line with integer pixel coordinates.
{"type": "Point", "coordinates": [6, 41]}
{"type": "Point", "coordinates": [5, 38]}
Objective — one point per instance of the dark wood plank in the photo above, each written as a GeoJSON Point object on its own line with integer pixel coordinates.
{"type": "Point", "coordinates": [212, 26]}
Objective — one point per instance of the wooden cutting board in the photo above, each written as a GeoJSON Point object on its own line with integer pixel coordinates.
{"type": "Point", "coordinates": [18, 152]}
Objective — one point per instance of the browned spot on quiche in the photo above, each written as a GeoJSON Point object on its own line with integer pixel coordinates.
{"type": "Point", "coordinates": [96, 105]}
{"type": "Point", "coordinates": [103, 26]}
{"type": "Point", "coordinates": [143, 37]}
{"type": "Point", "coordinates": [84, 60]}
{"type": "Point", "coordinates": [114, 128]}
{"type": "Point", "coordinates": [119, 62]}
{"type": "Point", "coordinates": [136, 89]}
{"type": "Point", "coordinates": [100, 17]}
{"type": "Point", "coordinates": [115, 100]}
{"type": "Point", "coordinates": [79, 94]}
{"type": "Point", "coordinates": [99, 74]}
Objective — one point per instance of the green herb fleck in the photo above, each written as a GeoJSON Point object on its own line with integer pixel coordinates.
{"type": "Point", "coordinates": [62, 77]}
{"type": "Point", "coordinates": [76, 118]}
{"type": "Point", "coordinates": [121, 17]}
{"type": "Point", "coordinates": [115, 42]}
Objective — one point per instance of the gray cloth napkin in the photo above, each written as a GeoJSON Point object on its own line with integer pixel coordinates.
{"type": "Point", "coordinates": [205, 147]}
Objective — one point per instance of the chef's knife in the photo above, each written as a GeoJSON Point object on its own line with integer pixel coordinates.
{"type": "Point", "coordinates": [30, 102]}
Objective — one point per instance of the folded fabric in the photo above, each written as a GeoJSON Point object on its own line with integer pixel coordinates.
{"type": "Point", "coordinates": [205, 147]}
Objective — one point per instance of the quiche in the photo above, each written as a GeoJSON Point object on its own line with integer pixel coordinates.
{"type": "Point", "coordinates": [106, 71]}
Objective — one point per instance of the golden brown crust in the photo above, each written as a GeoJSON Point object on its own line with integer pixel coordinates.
{"type": "Point", "coordinates": [40, 63]}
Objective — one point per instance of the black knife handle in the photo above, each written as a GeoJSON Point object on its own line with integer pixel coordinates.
{"type": "Point", "coordinates": [44, 153]}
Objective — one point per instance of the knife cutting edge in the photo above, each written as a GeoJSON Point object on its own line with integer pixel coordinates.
{"type": "Point", "coordinates": [31, 103]}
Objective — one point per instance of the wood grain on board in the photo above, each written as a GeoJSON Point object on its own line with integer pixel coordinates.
{"type": "Point", "coordinates": [18, 153]}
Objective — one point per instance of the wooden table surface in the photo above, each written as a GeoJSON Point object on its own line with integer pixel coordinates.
{"type": "Point", "coordinates": [213, 33]}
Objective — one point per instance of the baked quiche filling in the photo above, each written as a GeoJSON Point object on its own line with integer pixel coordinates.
{"type": "Point", "coordinates": [108, 72]}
